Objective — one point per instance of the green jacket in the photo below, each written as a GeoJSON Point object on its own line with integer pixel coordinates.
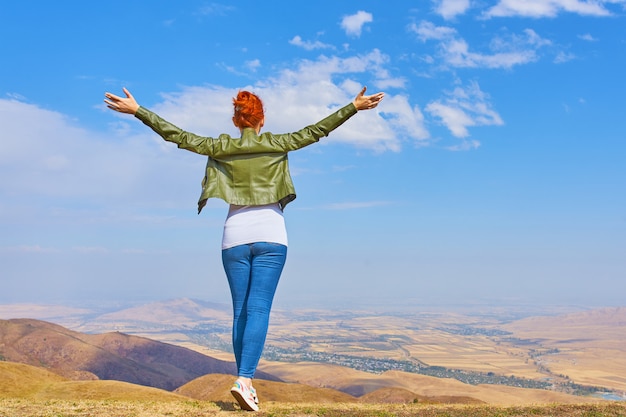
{"type": "Point", "coordinates": [250, 170]}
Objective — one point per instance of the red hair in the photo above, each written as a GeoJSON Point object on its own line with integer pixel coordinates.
{"type": "Point", "coordinates": [248, 110]}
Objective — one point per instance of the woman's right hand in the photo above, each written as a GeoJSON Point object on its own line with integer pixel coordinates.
{"type": "Point", "coordinates": [126, 104]}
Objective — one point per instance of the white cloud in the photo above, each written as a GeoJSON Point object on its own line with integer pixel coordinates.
{"type": "Point", "coordinates": [353, 24]}
{"type": "Point", "coordinates": [27, 249]}
{"type": "Point", "coordinates": [452, 116]}
{"type": "Point", "coordinates": [406, 119]}
{"type": "Point", "coordinates": [428, 31]}
{"type": "Point", "coordinates": [449, 9]}
{"type": "Point", "coordinates": [56, 160]}
{"type": "Point", "coordinates": [90, 249]}
{"type": "Point", "coordinates": [253, 65]}
{"type": "Point", "coordinates": [463, 108]}
{"type": "Point", "coordinates": [457, 54]}
{"type": "Point", "coordinates": [215, 9]}
{"type": "Point", "coordinates": [386, 83]}
{"type": "Point", "coordinates": [327, 83]}
{"type": "Point", "coordinates": [562, 57]}
{"type": "Point", "coordinates": [530, 37]}
{"type": "Point", "coordinates": [549, 8]}
{"type": "Point", "coordinates": [587, 37]}
{"type": "Point", "coordinates": [504, 52]}
{"type": "Point", "coordinates": [465, 145]}
{"type": "Point", "coordinates": [308, 45]}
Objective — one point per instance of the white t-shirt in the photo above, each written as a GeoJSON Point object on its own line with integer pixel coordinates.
{"type": "Point", "coordinates": [249, 224]}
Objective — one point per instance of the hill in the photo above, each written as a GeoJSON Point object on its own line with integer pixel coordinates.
{"type": "Point", "coordinates": [216, 388]}
{"type": "Point", "coordinates": [180, 313]}
{"type": "Point", "coordinates": [29, 382]}
{"type": "Point", "coordinates": [109, 356]}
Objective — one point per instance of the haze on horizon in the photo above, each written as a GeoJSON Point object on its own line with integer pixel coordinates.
{"type": "Point", "coordinates": [493, 173]}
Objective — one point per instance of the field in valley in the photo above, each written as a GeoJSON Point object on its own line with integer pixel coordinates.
{"type": "Point", "coordinates": [586, 348]}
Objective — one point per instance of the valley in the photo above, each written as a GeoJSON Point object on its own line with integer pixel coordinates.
{"type": "Point", "coordinates": [580, 352]}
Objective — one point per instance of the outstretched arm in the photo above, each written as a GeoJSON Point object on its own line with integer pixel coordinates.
{"type": "Point", "coordinates": [313, 133]}
{"type": "Point", "coordinates": [363, 102]}
{"type": "Point", "coordinates": [168, 131]}
{"type": "Point", "coordinates": [126, 104]}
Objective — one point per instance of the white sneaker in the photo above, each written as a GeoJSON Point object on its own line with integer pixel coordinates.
{"type": "Point", "coordinates": [244, 396]}
{"type": "Point", "coordinates": [253, 392]}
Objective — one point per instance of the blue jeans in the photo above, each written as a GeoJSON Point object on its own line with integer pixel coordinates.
{"type": "Point", "coordinates": [253, 271]}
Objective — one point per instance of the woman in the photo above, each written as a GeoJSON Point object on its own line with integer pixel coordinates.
{"type": "Point", "coordinates": [251, 174]}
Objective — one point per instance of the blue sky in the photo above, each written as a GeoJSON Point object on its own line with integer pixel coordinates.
{"type": "Point", "coordinates": [493, 172]}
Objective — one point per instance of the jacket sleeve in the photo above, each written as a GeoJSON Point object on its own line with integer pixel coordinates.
{"type": "Point", "coordinates": [171, 133]}
{"type": "Point", "coordinates": [313, 133]}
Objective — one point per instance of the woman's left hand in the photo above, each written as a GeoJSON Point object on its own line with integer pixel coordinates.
{"type": "Point", "coordinates": [126, 104]}
{"type": "Point", "coordinates": [363, 102]}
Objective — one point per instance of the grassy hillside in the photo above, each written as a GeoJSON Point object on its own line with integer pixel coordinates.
{"type": "Point", "coordinates": [27, 391]}
{"type": "Point", "coordinates": [24, 381]}
{"type": "Point", "coordinates": [19, 381]}
{"type": "Point", "coordinates": [216, 388]}
{"type": "Point", "coordinates": [114, 355]}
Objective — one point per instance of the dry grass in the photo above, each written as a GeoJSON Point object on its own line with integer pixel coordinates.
{"type": "Point", "coordinates": [26, 391]}
{"type": "Point", "coordinates": [113, 408]}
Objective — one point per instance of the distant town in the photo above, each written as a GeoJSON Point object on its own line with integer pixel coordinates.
{"type": "Point", "coordinates": [378, 365]}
